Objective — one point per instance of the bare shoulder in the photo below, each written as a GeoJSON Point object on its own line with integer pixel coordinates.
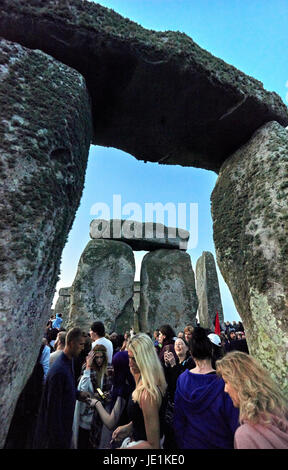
{"type": "Point", "coordinates": [147, 401]}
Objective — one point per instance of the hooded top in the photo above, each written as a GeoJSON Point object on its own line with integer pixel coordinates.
{"type": "Point", "coordinates": [204, 415]}
{"type": "Point", "coordinates": [263, 436]}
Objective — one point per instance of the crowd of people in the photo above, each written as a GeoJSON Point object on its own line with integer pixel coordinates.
{"type": "Point", "coordinates": [191, 389]}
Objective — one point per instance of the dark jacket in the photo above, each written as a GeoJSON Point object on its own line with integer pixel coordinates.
{"type": "Point", "coordinates": [54, 424]}
{"type": "Point", "coordinates": [172, 373]}
{"type": "Point", "coordinates": [204, 415]}
{"type": "Point", "coordinates": [237, 345]}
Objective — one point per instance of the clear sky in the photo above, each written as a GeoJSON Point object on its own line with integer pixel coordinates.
{"type": "Point", "coordinates": [251, 35]}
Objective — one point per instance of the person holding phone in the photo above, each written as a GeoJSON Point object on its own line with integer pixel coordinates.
{"type": "Point", "coordinates": [145, 408]}
{"type": "Point", "coordinates": [94, 377]}
{"type": "Point", "coordinates": [123, 386]}
{"type": "Point", "coordinates": [166, 339]}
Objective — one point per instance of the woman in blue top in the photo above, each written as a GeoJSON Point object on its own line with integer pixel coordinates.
{"type": "Point", "coordinates": [204, 415]}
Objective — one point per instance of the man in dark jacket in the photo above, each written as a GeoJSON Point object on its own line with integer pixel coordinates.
{"type": "Point", "coordinates": [54, 424]}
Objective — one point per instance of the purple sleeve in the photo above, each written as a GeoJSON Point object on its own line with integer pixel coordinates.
{"type": "Point", "coordinates": [232, 414]}
{"type": "Point", "coordinates": [179, 417]}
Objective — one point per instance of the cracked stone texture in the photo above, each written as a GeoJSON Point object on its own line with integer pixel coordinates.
{"type": "Point", "coordinates": [250, 219]}
{"type": "Point", "coordinates": [156, 95]}
{"type": "Point", "coordinates": [45, 134]}
{"type": "Point", "coordinates": [167, 290]}
{"type": "Point", "coordinates": [208, 292]}
{"type": "Point", "coordinates": [103, 287]}
{"type": "Point", "coordinates": [146, 236]}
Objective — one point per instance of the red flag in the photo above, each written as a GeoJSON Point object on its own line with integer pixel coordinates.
{"type": "Point", "coordinates": [217, 325]}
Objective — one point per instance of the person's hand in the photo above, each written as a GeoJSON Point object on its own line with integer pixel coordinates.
{"type": "Point", "coordinates": [120, 433]}
{"type": "Point", "coordinates": [169, 359]}
{"type": "Point", "coordinates": [89, 359]}
{"type": "Point", "coordinates": [92, 402]}
{"type": "Point", "coordinates": [83, 396]}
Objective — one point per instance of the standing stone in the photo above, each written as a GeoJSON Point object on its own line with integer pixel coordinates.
{"type": "Point", "coordinates": [45, 133]}
{"type": "Point", "coordinates": [63, 302]}
{"type": "Point", "coordinates": [250, 216]}
{"type": "Point", "coordinates": [167, 290]}
{"type": "Point", "coordinates": [208, 292]}
{"type": "Point", "coordinates": [103, 287]}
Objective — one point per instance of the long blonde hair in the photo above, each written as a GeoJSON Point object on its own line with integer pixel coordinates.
{"type": "Point", "coordinates": [259, 396]}
{"type": "Point", "coordinates": [151, 371]}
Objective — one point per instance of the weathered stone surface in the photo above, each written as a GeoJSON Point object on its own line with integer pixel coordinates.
{"type": "Point", "coordinates": [208, 292]}
{"type": "Point", "coordinates": [156, 95]}
{"type": "Point", "coordinates": [167, 290]}
{"type": "Point", "coordinates": [63, 302]}
{"type": "Point", "coordinates": [103, 286]}
{"type": "Point", "coordinates": [45, 134]}
{"type": "Point", "coordinates": [136, 297]}
{"type": "Point", "coordinates": [250, 216]}
{"type": "Point", "coordinates": [146, 236]}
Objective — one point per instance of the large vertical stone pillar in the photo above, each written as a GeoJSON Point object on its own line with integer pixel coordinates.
{"type": "Point", "coordinates": [167, 290]}
{"type": "Point", "coordinates": [250, 217]}
{"type": "Point", "coordinates": [103, 286]}
{"type": "Point", "coordinates": [208, 292]}
{"type": "Point", "coordinates": [45, 133]}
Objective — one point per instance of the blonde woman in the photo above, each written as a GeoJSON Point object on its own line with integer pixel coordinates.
{"type": "Point", "coordinates": [263, 410]}
{"type": "Point", "coordinates": [145, 407]}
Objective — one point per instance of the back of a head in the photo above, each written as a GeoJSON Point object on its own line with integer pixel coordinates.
{"type": "Point", "coordinates": [98, 328]}
{"type": "Point", "coordinates": [62, 338]}
{"type": "Point", "coordinates": [72, 335]}
{"type": "Point", "coordinates": [168, 331]}
{"type": "Point", "coordinates": [121, 368]}
{"type": "Point", "coordinates": [200, 346]}
{"type": "Point", "coordinates": [87, 345]}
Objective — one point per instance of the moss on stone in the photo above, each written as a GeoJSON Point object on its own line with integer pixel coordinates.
{"type": "Point", "coordinates": [155, 44]}
{"type": "Point", "coordinates": [250, 231]}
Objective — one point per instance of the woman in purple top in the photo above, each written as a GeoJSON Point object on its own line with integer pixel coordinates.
{"type": "Point", "coordinates": [204, 415]}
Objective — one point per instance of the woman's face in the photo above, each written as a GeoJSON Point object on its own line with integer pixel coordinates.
{"type": "Point", "coordinates": [180, 347]}
{"type": "Point", "coordinates": [132, 363]}
{"type": "Point", "coordinates": [232, 392]}
{"type": "Point", "coordinates": [99, 359]}
{"type": "Point", "coordinates": [188, 336]}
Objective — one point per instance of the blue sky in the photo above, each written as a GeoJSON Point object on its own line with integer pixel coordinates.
{"type": "Point", "coordinates": [248, 34]}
